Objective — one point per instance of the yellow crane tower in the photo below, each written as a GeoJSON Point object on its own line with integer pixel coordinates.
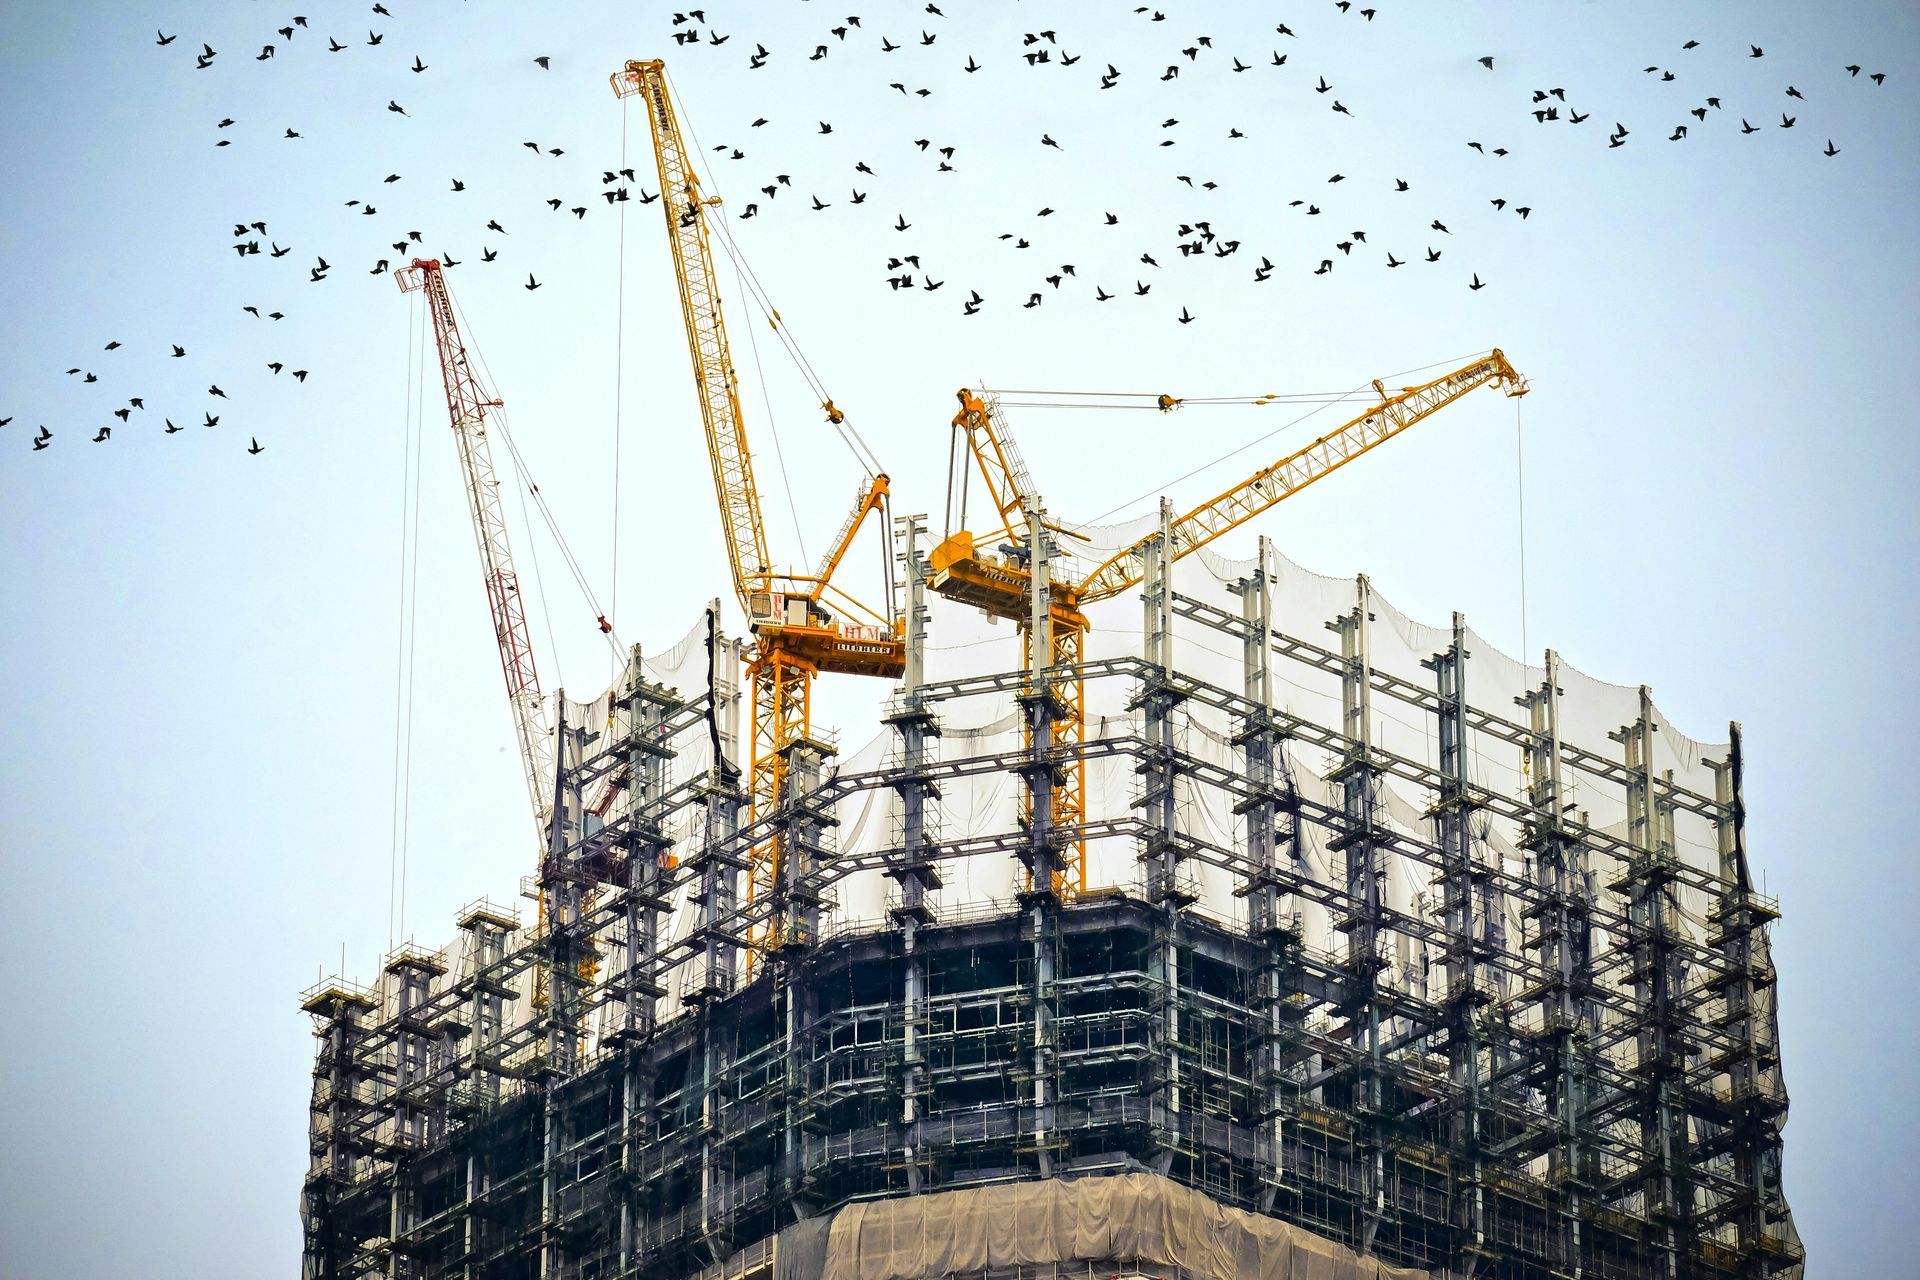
{"type": "Point", "coordinates": [792, 614]}
{"type": "Point", "coordinates": [992, 571]}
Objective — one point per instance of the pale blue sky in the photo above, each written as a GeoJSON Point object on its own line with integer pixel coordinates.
{"type": "Point", "coordinates": [196, 789]}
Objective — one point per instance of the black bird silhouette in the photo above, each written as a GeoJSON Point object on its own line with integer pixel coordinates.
{"type": "Point", "coordinates": [1185, 316]}
{"type": "Point", "coordinates": [1747, 128]}
{"type": "Point", "coordinates": [1046, 140]}
{"type": "Point", "coordinates": [165, 39]}
{"type": "Point", "coordinates": [1100, 294]}
{"type": "Point", "coordinates": [1433, 254]}
{"type": "Point", "coordinates": [531, 284]}
{"type": "Point", "coordinates": [395, 107]}
{"type": "Point", "coordinates": [1476, 285]}
{"type": "Point", "coordinates": [1112, 220]}
{"type": "Point", "coordinates": [1391, 260]}
{"type": "Point", "coordinates": [212, 421]}
{"type": "Point", "coordinates": [493, 225]}
{"type": "Point", "coordinates": [1399, 184]}
{"type": "Point", "coordinates": [1831, 149]}
{"type": "Point", "coordinates": [216, 391]}
{"type": "Point", "coordinates": [1786, 122]}
{"type": "Point", "coordinates": [334, 46]}
{"type": "Point", "coordinates": [300, 375]}
{"type": "Point", "coordinates": [487, 255]}
{"type": "Point", "coordinates": [373, 39]}
{"type": "Point", "coordinates": [1487, 62]}
{"type": "Point", "coordinates": [254, 446]}
{"type": "Point", "coordinates": [418, 65]}
{"type": "Point", "coordinates": [1441, 227]}
{"type": "Point", "coordinates": [901, 223]}
{"type": "Point", "coordinates": [122, 414]}
{"type": "Point", "coordinates": [178, 351]}
{"type": "Point", "coordinates": [105, 433]}
{"type": "Point", "coordinates": [171, 428]}
{"type": "Point", "coordinates": [1757, 51]}
{"type": "Point", "coordinates": [544, 62]}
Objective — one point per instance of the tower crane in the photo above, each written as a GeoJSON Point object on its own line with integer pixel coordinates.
{"type": "Point", "coordinates": [467, 405]}
{"type": "Point", "coordinates": [797, 635]}
{"type": "Point", "coordinates": [993, 571]}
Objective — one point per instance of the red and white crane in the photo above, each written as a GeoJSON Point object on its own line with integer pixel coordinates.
{"type": "Point", "coordinates": [467, 405]}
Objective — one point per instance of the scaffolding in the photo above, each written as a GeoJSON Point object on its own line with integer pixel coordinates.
{"type": "Point", "coordinates": [1466, 982]}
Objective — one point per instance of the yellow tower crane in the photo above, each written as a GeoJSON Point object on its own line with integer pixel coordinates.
{"type": "Point", "coordinates": [796, 631]}
{"type": "Point", "coordinates": [993, 571]}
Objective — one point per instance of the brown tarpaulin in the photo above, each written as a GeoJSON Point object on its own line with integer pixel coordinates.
{"type": "Point", "coordinates": [1123, 1218]}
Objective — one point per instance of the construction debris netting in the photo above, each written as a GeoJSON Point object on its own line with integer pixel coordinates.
{"type": "Point", "coordinates": [962, 642]}
{"type": "Point", "coordinates": [1133, 1219]}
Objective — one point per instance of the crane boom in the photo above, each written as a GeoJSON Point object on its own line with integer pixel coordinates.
{"type": "Point", "coordinates": [1272, 484]}
{"type": "Point", "coordinates": [713, 375]}
{"type": "Point", "coordinates": [467, 405]}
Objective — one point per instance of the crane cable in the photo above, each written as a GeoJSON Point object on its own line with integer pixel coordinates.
{"type": "Point", "coordinates": [539, 499]}
{"type": "Point", "coordinates": [402, 822]}
{"type": "Point", "coordinates": [1282, 428]}
{"type": "Point", "coordinates": [1520, 493]}
{"type": "Point", "coordinates": [757, 294]}
{"type": "Point", "coordinates": [619, 370]}
{"type": "Point", "coordinates": [400, 683]}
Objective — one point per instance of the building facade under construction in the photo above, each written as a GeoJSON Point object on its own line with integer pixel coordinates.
{"type": "Point", "coordinates": [1329, 943]}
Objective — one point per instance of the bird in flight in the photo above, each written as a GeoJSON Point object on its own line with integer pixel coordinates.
{"type": "Point", "coordinates": [531, 284]}
{"type": "Point", "coordinates": [254, 446]}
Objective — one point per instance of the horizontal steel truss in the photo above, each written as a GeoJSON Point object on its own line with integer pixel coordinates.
{"type": "Point", "coordinates": [1583, 1136]}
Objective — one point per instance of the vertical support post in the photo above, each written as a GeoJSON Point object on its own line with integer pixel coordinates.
{"type": "Point", "coordinates": [1041, 773]}
{"type": "Point", "coordinates": [410, 976]}
{"type": "Point", "coordinates": [1271, 810]}
{"type": "Point", "coordinates": [914, 724]}
{"type": "Point", "coordinates": [1358, 779]}
{"type": "Point", "coordinates": [801, 827]}
{"type": "Point", "coordinates": [717, 862]}
{"type": "Point", "coordinates": [336, 1108]}
{"type": "Point", "coordinates": [1562, 940]}
{"type": "Point", "coordinates": [1464, 892]}
{"type": "Point", "coordinates": [487, 929]}
{"type": "Point", "coordinates": [1660, 1056]}
{"type": "Point", "coordinates": [645, 709]}
{"type": "Point", "coordinates": [1756, 1103]}
{"type": "Point", "coordinates": [1161, 849]}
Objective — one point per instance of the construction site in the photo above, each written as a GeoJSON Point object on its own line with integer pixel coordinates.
{"type": "Point", "coordinates": [1184, 916]}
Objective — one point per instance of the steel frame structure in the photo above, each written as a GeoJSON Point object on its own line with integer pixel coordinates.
{"type": "Point", "coordinates": [1600, 1096]}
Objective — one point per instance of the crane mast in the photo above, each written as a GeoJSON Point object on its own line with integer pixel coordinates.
{"type": "Point", "coordinates": [969, 569]}
{"type": "Point", "coordinates": [467, 405]}
{"type": "Point", "coordinates": [796, 632]}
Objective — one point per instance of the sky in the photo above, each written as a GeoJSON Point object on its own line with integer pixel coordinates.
{"type": "Point", "coordinates": [241, 684]}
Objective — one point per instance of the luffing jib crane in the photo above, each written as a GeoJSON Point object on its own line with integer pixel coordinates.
{"type": "Point", "coordinates": [467, 405]}
{"type": "Point", "coordinates": [992, 570]}
{"type": "Point", "coordinates": [792, 614]}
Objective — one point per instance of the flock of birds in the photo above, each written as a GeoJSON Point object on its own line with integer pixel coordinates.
{"type": "Point", "coordinates": [929, 67]}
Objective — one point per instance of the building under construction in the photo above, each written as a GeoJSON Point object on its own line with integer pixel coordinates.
{"type": "Point", "coordinates": [1391, 947]}
{"type": "Point", "coordinates": [1212, 920]}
